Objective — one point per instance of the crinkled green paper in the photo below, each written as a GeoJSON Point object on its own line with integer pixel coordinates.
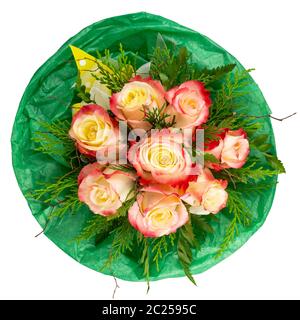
{"type": "Point", "coordinates": [48, 97]}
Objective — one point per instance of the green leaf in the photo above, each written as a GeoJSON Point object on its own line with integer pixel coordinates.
{"type": "Point", "coordinates": [164, 78]}
{"type": "Point", "coordinates": [213, 217]}
{"type": "Point", "coordinates": [183, 55]}
{"type": "Point", "coordinates": [175, 68]}
{"type": "Point", "coordinates": [211, 75]}
{"type": "Point", "coordinates": [160, 42]}
{"type": "Point", "coordinates": [261, 139]}
{"type": "Point", "coordinates": [186, 241]}
{"type": "Point", "coordinates": [264, 147]}
{"type": "Point", "coordinates": [275, 163]}
{"type": "Point", "coordinates": [210, 158]}
{"type": "Point", "coordinates": [200, 224]}
{"type": "Point", "coordinates": [170, 68]}
{"type": "Point", "coordinates": [249, 174]}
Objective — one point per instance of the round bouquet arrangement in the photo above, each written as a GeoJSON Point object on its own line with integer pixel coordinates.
{"type": "Point", "coordinates": [145, 150]}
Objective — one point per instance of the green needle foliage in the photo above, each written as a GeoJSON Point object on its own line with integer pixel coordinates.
{"type": "Point", "coordinates": [224, 105]}
{"type": "Point", "coordinates": [70, 204]}
{"type": "Point", "coordinates": [153, 251]}
{"type": "Point", "coordinates": [159, 119]}
{"type": "Point", "coordinates": [52, 191]}
{"type": "Point", "coordinates": [123, 240]}
{"type": "Point", "coordinates": [127, 204]}
{"type": "Point", "coordinates": [121, 70]}
{"type": "Point", "coordinates": [98, 227]}
{"type": "Point", "coordinates": [145, 259]}
{"type": "Point", "coordinates": [161, 246]}
{"type": "Point", "coordinates": [255, 188]}
{"type": "Point", "coordinates": [62, 194]}
{"type": "Point", "coordinates": [125, 168]}
{"type": "Point", "coordinates": [240, 214]}
{"type": "Point", "coordinates": [53, 139]}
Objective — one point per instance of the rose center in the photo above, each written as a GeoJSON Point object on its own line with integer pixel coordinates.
{"type": "Point", "coordinates": [190, 105]}
{"type": "Point", "coordinates": [89, 130]}
{"type": "Point", "coordinates": [92, 130]}
{"type": "Point", "coordinates": [160, 218]}
{"type": "Point", "coordinates": [236, 148]}
{"type": "Point", "coordinates": [91, 134]}
{"type": "Point", "coordinates": [102, 194]}
{"type": "Point", "coordinates": [99, 195]}
{"type": "Point", "coordinates": [135, 97]}
{"type": "Point", "coordinates": [162, 158]}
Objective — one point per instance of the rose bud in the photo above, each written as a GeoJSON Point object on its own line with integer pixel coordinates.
{"type": "Point", "coordinates": [206, 195]}
{"type": "Point", "coordinates": [215, 147]}
{"type": "Point", "coordinates": [232, 149]}
{"type": "Point", "coordinates": [235, 149]}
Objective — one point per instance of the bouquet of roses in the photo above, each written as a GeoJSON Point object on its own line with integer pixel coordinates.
{"type": "Point", "coordinates": [156, 153]}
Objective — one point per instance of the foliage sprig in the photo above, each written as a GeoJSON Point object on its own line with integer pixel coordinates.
{"type": "Point", "coordinates": [53, 139]}
{"type": "Point", "coordinates": [114, 74]}
{"type": "Point", "coordinates": [159, 119]}
{"type": "Point", "coordinates": [241, 215]}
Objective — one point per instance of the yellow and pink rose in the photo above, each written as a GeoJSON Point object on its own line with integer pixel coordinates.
{"type": "Point", "coordinates": [162, 158]}
{"type": "Point", "coordinates": [94, 131]}
{"type": "Point", "coordinates": [158, 211]}
{"type": "Point", "coordinates": [231, 150]}
{"type": "Point", "coordinates": [136, 98]}
{"type": "Point", "coordinates": [189, 103]}
{"type": "Point", "coordinates": [104, 190]}
{"type": "Point", "coordinates": [206, 195]}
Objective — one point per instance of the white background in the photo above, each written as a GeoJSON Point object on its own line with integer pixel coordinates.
{"type": "Point", "coordinates": [261, 34]}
